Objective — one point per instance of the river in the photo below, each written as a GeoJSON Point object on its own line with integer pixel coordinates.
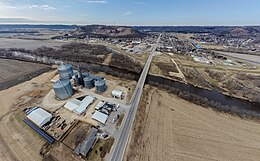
{"type": "Point", "coordinates": [212, 95]}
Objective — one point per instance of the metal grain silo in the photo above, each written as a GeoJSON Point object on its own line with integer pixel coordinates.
{"type": "Point", "coordinates": [89, 82]}
{"type": "Point", "coordinates": [96, 78]}
{"type": "Point", "coordinates": [76, 79]}
{"type": "Point", "coordinates": [65, 71]}
{"type": "Point", "coordinates": [62, 88]}
{"type": "Point", "coordinates": [80, 76]}
{"type": "Point", "coordinates": [100, 86]}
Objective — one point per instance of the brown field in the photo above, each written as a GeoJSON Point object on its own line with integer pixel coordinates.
{"type": "Point", "coordinates": [17, 141]}
{"type": "Point", "coordinates": [169, 128]}
{"type": "Point", "coordinates": [76, 135]}
{"type": "Point", "coordinates": [28, 44]}
{"type": "Point", "coordinates": [14, 71]}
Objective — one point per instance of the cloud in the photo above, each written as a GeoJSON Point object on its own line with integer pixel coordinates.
{"type": "Point", "coordinates": [97, 1]}
{"type": "Point", "coordinates": [127, 13]}
{"type": "Point", "coordinates": [45, 7]}
{"type": "Point", "coordinates": [7, 5]}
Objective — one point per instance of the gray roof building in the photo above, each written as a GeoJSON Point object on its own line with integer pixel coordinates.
{"type": "Point", "coordinates": [84, 147]}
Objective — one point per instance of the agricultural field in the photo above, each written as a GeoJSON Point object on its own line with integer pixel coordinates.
{"type": "Point", "coordinates": [28, 44]}
{"type": "Point", "coordinates": [13, 72]}
{"type": "Point", "coordinates": [169, 128]}
{"type": "Point", "coordinates": [19, 142]}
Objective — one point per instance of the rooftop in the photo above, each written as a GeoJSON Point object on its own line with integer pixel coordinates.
{"type": "Point", "coordinates": [39, 117]}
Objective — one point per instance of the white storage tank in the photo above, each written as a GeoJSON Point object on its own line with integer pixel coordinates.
{"type": "Point", "coordinates": [62, 88]}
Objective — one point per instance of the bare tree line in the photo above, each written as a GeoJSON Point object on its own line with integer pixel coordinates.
{"type": "Point", "coordinates": [205, 102]}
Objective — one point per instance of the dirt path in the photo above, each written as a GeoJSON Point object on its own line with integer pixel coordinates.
{"type": "Point", "coordinates": [17, 140]}
{"type": "Point", "coordinates": [179, 74]}
{"type": "Point", "coordinates": [178, 130]}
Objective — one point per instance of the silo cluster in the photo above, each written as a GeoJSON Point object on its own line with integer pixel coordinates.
{"type": "Point", "coordinates": [85, 79]}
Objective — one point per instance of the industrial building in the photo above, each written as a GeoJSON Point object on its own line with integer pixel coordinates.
{"type": "Point", "coordinates": [65, 71]}
{"type": "Point", "coordinates": [72, 104]}
{"type": "Point", "coordinates": [84, 147]}
{"type": "Point", "coordinates": [39, 117]}
{"type": "Point", "coordinates": [88, 100]}
{"type": "Point", "coordinates": [100, 105]}
{"type": "Point", "coordinates": [117, 94]}
{"type": "Point", "coordinates": [100, 86]}
{"type": "Point", "coordinates": [100, 117]}
{"type": "Point", "coordinates": [78, 106]}
{"type": "Point", "coordinates": [62, 88]}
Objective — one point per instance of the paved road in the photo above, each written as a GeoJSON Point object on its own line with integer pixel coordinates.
{"type": "Point", "coordinates": [119, 147]}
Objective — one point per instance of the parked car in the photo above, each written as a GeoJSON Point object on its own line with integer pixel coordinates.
{"type": "Point", "coordinates": [115, 119]}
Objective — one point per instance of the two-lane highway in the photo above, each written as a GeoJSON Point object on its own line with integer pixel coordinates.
{"type": "Point", "coordinates": [119, 147]}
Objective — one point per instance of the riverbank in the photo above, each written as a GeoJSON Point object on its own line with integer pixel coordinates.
{"type": "Point", "coordinates": [199, 96]}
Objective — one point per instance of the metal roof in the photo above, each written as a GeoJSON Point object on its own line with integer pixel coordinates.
{"type": "Point", "coordinates": [40, 132]}
{"type": "Point", "coordinates": [117, 93]}
{"type": "Point", "coordinates": [64, 67]}
{"type": "Point", "coordinates": [60, 83]}
{"type": "Point", "coordinates": [84, 104]}
{"type": "Point", "coordinates": [100, 83]}
{"type": "Point", "coordinates": [88, 78]}
{"type": "Point", "coordinates": [99, 116]}
{"type": "Point", "coordinates": [39, 116]}
{"type": "Point", "coordinates": [100, 104]}
{"type": "Point", "coordinates": [72, 104]}
{"type": "Point", "coordinates": [84, 147]}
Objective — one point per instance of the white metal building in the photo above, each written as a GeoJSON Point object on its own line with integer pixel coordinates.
{"type": "Point", "coordinates": [72, 104]}
{"type": "Point", "coordinates": [88, 100]}
{"type": "Point", "coordinates": [100, 117]}
{"type": "Point", "coordinates": [100, 104]}
{"type": "Point", "coordinates": [39, 117]}
{"type": "Point", "coordinates": [78, 106]}
{"type": "Point", "coordinates": [117, 93]}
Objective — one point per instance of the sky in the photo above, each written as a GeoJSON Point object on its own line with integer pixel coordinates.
{"type": "Point", "coordinates": [132, 12]}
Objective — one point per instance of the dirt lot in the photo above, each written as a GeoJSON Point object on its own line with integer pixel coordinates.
{"type": "Point", "coordinates": [17, 141]}
{"type": "Point", "coordinates": [77, 135]}
{"type": "Point", "coordinates": [13, 72]}
{"type": "Point", "coordinates": [174, 129]}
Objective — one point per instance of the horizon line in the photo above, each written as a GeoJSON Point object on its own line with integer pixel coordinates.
{"type": "Point", "coordinates": [105, 24]}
